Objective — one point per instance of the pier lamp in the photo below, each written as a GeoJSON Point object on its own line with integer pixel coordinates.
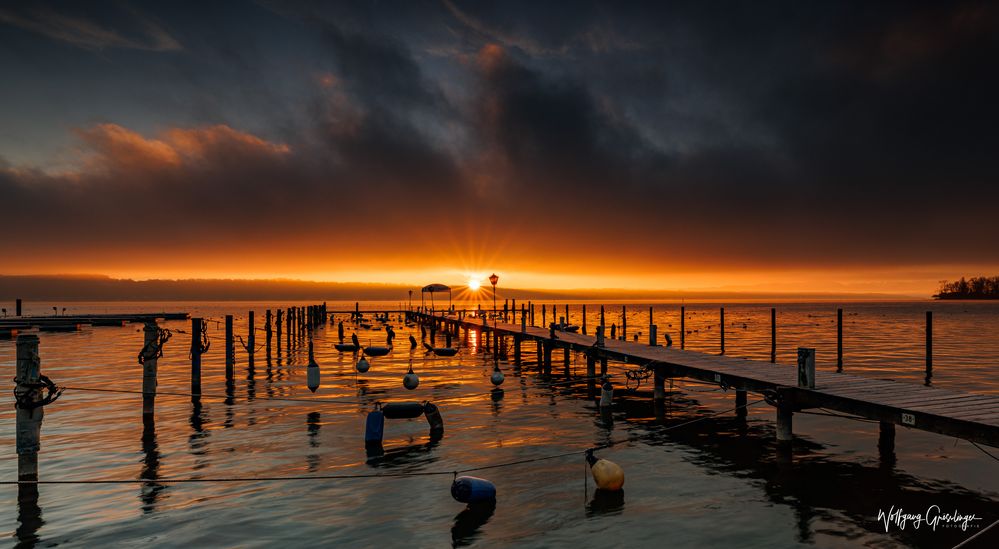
{"type": "Point", "coordinates": [493, 279]}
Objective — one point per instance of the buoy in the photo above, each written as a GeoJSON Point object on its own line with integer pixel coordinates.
{"type": "Point", "coordinates": [412, 342]}
{"type": "Point", "coordinates": [312, 371]}
{"type": "Point", "coordinates": [411, 380]}
{"type": "Point", "coordinates": [607, 474]}
{"type": "Point", "coordinates": [339, 331]}
{"type": "Point", "coordinates": [497, 377]}
{"type": "Point", "coordinates": [363, 365]}
{"type": "Point", "coordinates": [434, 418]}
{"type": "Point", "coordinates": [496, 394]}
{"type": "Point", "coordinates": [473, 490]}
{"type": "Point", "coordinates": [374, 428]}
{"type": "Point", "coordinates": [606, 394]}
{"type": "Point", "coordinates": [402, 410]}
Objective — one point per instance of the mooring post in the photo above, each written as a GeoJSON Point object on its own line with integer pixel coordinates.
{"type": "Point", "coordinates": [149, 356]}
{"type": "Point", "coordinates": [566, 360]}
{"type": "Point", "coordinates": [523, 320]}
{"type": "Point", "coordinates": [603, 325]}
{"type": "Point", "coordinates": [785, 416]}
{"type": "Point", "coordinates": [886, 443]}
{"type": "Point", "coordinates": [17, 307]}
{"type": "Point", "coordinates": [288, 323]}
{"type": "Point", "coordinates": [516, 346]}
{"type": "Point", "coordinates": [28, 422]}
{"type": "Point", "coordinates": [839, 340]}
{"type": "Point", "coordinates": [929, 346]}
{"type": "Point", "coordinates": [624, 323]}
{"type": "Point", "coordinates": [683, 318]}
{"type": "Point", "coordinates": [653, 335]}
{"type": "Point", "coordinates": [277, 326]}
{"type": "Point", "coordinates": [567, 315]}
{"type": "Point", "coordinates": [584, 319]}
{"type": "Point", "coordinates": [267, 333]}
{"type": "Point", "coordinates": [773, 334]}
{"type": "Point", "coordinates": [544, 316]}
{"type": "Point", "coordinates": [740, 403]}
{"type": "Point", "coordinates": [197, 329]}
{"type": "Point", "coordinates": [530, 307]}
{"type": "Point", "coordinates": [591, 374]}
{"type": "Point", "coordinates": [230, 352]}
{"type": "Point", "coordinates": [251, 340]}
{"type": "Point", "coordinates": [722, 322]}
{"type": "Point", "coordinates": [806, 368]}
{"type": "Point", "coordinates": [600, 336]}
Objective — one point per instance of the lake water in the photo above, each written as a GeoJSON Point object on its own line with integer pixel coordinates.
{"type": "Point", "coordinates": [717, 482]}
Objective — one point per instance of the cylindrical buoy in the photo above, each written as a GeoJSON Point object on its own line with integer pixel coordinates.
{"type": "Point", "coordinates": [606, 394]}
{"type": "Point", "coordinates": [374, 428]}
{"type": "Point", "coordinates": [411, 380]}
{"type": "Point", "coordinates": [473, 490]}
{"type": "Point", "coordinates": [402, 410]}
{"type": "Point", "coordinates": [363, 365]}
{"type": "Point", "coordinates": [497, 377]}
{"type": "Point", "coordinates": [607, 474]}
{"type": "Point", "coordinates": [434, 418]}
{"type": "Point", "coordinates": [312, 371]}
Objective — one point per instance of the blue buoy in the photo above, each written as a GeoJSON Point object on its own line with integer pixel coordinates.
{"type": "Point", "coordinates": [402, 410]}
{"type": "Point", "coordinates": [473, 490]}
{"type": "Point", "coordinates": [434, 418]}
{"type": "Point", "coordinates": [374, 427]}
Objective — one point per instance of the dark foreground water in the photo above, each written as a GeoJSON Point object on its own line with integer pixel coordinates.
{"type": "Point", "coordinates": [717, 482]}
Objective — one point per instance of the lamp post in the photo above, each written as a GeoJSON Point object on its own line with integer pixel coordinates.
{"type": "Point", "coordinates": [493, 279]}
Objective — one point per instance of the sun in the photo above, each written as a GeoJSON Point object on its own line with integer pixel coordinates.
{"type": "Point", "coordinates": [473, 284]}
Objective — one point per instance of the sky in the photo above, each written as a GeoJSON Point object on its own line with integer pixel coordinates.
{"type": "Point", "coordinates": [760, 146]}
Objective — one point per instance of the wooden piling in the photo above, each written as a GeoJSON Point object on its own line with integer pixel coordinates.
{"type": "Point", "coordinates": [740, 403]}
{"type": "Point", "coordinates": [197, 327]}
{"type": "Point", "coordinates": [591, 374]}
{"type": "Point", "coordinates": [839, 340]}
{"type": "Point", "coordinates": [17, 307]}
{"type": "Point", "coordinates": [603, 324]}
{"type": "Point", "coordinates": [544, 316]}
{"type": "Point", "coordinates": [584, 319]}
{"type": "Point", "coordinates": [603, 366]}
{"type": "Point", "coordinates": [566, 360]}
{"type": "Point", "coordinates": [785, 417]}
{"type": "Point", "coordinates": [288, 323]}
{"type": "Point", "coordinates": [806, 368]}
{"type": "Point", "coordinates": [929, 346]}
{"type": "Point", "coordinates": [149, 358]}
{"type": "Point", "coordinates": [277, 326]}
{"type": "Point", "coordinates": [230, 352]}
{"type": "Point", "coordinates": [773, 334]}
{"type": "Point", "coordinates": [624, 323]}
{"type": "Point", "coordinates": [28, 422]}
{"type": "Point", "coordinates": [722, 322]}
{"type": "Point", "coordinates": [267, 333]}
{"type": "Point", "coordinates": [251, 340]}
{"type": "Point", "coordinates": [683, 319]}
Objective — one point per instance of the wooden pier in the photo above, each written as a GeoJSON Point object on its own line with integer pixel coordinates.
{"type": "Point", "coordinates": [970, 416]}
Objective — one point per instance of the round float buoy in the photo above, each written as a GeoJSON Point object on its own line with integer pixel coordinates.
{"type": "Point", "coordinates": [363, 365]}
{"type": "Point", "coordinates": [497, 377]}
{"type": "Point", "coordinates": [607, 474]}
{"type": "Point", "coordinates": [312, 371]}
{"type": "Point", "coordinates": [473, 490]}
{"type": "Point", "coordinates": [411, 380]}
{"type": "Point", "coordinates": [402, 410]}
{"type": "Point", "coordinates": [374, 428]}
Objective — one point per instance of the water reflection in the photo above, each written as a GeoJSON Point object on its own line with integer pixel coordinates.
{"type": "Point", "coordinates": [149, 493]}
{"type": "Point", "coordinates": [29, 516]}
{"type": "Point", "coordinates": [468, 522]}
{"type": "Point", "coordinates": [313, 424]}
{"type": "Point", "coordinates": [198, 439]}
{"type": "Point", "coordinates": [605, 502]}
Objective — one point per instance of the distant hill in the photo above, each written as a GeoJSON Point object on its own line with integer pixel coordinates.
{"type": "Point", "coordinates": [104, 288]}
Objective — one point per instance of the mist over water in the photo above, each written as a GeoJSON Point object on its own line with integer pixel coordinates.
{"type": "Point", "coordinates": [714, 482]}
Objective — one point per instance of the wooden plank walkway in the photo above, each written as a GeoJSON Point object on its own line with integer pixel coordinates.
{"type": "Point", "coordinates": [970, 416]}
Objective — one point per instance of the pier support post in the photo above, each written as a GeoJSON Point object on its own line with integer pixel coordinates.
{"type": "Point", "coordinates": [28, 422]}
{"type": "Point", "coordinates": [785, 415]}
{"type": "Point", "coordinates": [591, 375]}
{"type": "Point", "coordinates": [603, 366]}
{"type": "Point", "coordinates": [584, 319]}
{"type": "Point", "coordinates": [567, 360]}
{"type": "Point", "coordinates": [548, 346]}
{"type": "Point", "coordinates": [149, 357]}
{"type": "Point", "coordinates": [659, 392]}
{"type": "Point", "coordinates": [516, 348]}
{"type": "Point", "coordinates": [251, 340]}
{"type": "Point", "coordinates": [740, 404]}
{"type": "Point", "coordinates": [773, 334]}
{"type": "Point", "coordinates": [230, 352]}
{"type": "Point", "coordinates": [839, 340]}
{"type": "Point", "coordinates": [277, 325]}
{"type": "Point", "coordinates": [929, 347]}
{"type": "Point", "coordinates": [197, 327]}
{"type": "Point", "coordinates": [721, 319]}
{"type": "Point", "coordinates": [886, 444]}
{"type": "Point", "coordinates": [683, 319]}
{"type": "Point", "coordinates": [267, 333]}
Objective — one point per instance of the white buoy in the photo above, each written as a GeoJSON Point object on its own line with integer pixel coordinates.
{"type": "Point", "coordinates": [312, 371]}
{"type": "Point", "coordinates": [606, 394]}
{"type": "Point", "coordinates": [363, 365]}
{"type": "Point", "coordinates": [497, 377]}
{"type": "Point", "coordinates": [411, 380]}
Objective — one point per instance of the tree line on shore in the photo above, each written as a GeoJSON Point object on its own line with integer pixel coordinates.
{"type": "Point", "coordinates": [976, 287]}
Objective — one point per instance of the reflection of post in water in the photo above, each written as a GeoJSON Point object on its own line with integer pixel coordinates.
{"type": "Point", "coordinates": [605, 502]}
{"type": "Point", "coordinates": [313, 425]}
{"type": "Point", "coordinates": [149, 492]}
{"type": "Point", "coordinates": [199, 436]}
{"type": "Point", "coordinates": [467, 523]}
{"type": "Point", "coordinates": [28, 409]}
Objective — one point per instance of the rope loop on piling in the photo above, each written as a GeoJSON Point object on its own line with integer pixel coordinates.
{"type": "Point", "coordinates": [203, 345]}
{"type": "Point", "coordinates": [25, 392]}
{"type": "Point", "coordinates": [772, 397]}
{"type": "Point", "coordinates": [154, 348]}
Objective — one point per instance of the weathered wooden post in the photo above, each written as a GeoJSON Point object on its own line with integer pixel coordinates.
{"type": "Point", "coordinates": [17, 307]}
{"type": "Point", "coordinates": [566, 360]}
{"type": "Point", "coordinates": [806, 368]}
{"type": "Point", "coordinates": [785, 417]}
{"type": "Point", "coordinates": [267, 333]}
{"type": "Point", "coordinates": [277, 326]}
{"type": "Point", "coordinates": [929, 346]}
{"type": "Point", "coordinates": [544, 316]}
{"type": "Point", "coordinates": [600, 336]}
{"type": "Point", "coordinates": [603, 324]}
{"type": "Point", "coordinates": [773, 334]}
{"type": "Point", "coordinates": [624, 323]}
{"type": "Point", "coordinates": [27, 405]}
{"type": "Point", "coordinates": [659, 391]}
{"type": "Point", "coordinates": [886, 444]}
{"type": "Point", "coordinates": [548, 345]}
{"type": "Point", "coordinates": [653, 335]}
{"type": "Point", "coordinates": [251, 340]}
{"type": "Point", "coordinates": [148, 358]}
{"type": "Point", "coordinates": [584, 319]}
{"type": "Point", "coordinates": [683, 318]}
{"type": "Point", "coordinates": [839, 340]}
{"type": "Point", "coordinates": [288, 322]}
{"type": "Point", "coordinates": [523, 321]}
{"type": "Point", "coordinates": [567, 315]}
{"type": "Point", "coordinates": [516, 346]}
{"type": "Point", "coordinates": [230, 352]}
{"type": "Point", "coordinates": [197, 339]}
{"type": "Point", "coordinates": [722, 321]}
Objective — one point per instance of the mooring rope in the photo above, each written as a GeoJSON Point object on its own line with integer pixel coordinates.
{"type": "Point", "coordinates": [454, 472]}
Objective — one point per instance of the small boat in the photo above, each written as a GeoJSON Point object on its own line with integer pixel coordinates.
{"type": "Point", "coordinates": [377, 350]}
{"type": "Point", "coordinates": [441, 351]}
{"type": "Point", "coordinates": [348, 347]}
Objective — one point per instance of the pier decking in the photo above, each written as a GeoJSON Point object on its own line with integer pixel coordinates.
{"type": "Point", "coordinates": [969, 416]}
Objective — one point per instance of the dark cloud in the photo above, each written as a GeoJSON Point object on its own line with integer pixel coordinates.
{"type": "Point", "coordinates": [750, 134]}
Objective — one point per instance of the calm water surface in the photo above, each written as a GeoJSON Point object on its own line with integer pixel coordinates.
{"type": "Point", "coordinates": [716, 482]}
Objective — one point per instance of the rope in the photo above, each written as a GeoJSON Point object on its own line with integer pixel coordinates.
{"type": "Point", "coordinates": [202, 345]}
{"type": "Point", "coordinates": [984, 451]}
{"type": "Point", "coordinates": [199, 395]}
{"type": "Point", "coordinates": [980, 532]}
{"type": "Point", "coordinates": [154, 347]}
